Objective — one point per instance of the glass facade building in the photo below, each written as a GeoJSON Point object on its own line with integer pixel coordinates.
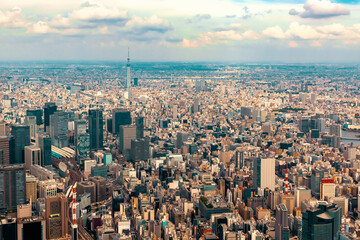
{"type": "Point", "coordinates": [96, 125]}
{"type": "Point", "coordinates": [21, 135]}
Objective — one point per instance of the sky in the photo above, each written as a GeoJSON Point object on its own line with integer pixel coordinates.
{"type": "Point", "coordinates": [282, 31]}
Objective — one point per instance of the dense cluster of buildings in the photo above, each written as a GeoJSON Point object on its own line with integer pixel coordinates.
{"type": "Point", "coordinates": [225, 154]}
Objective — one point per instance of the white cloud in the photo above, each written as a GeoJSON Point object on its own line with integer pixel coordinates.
{"type": "Point", "coordinates": [60, 21]}
{"type": "Point", "coordinates": [217, 37]}
{"type": "Point", "coordinates": [97, 11]}
{"type": "Point", "coordinates": [222, 35]}
{"type": "Point", "coordinates": [139, 26]}
{"type": "Point", "coordinates": [12, 18]}
{"type": "Point", "coordinates": [323, 9]}
{"type": "Point", "coordinates": [150, 21]}
{"type": "Point", "coordinates": [249, 34]}
{"type": "Point", "coordinates": [274, 32]}
{"type": "Point", "coordinates": [302, 31]}
{"type": "Point", "coordinates": [293, 12]}
{"type": "Point", "coordinates": [186, 43]}
{"type": "Point", "coordinates": [41, 27]}
{"type": "Point", "coordinates": [293, 44]}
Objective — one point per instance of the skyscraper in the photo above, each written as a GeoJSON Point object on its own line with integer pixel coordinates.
{"type": "Point", "coordinates": [316, 176]}
{"type": "Point", "coordinates": [181, 137]}
{"type": "Point", "coordinates": [127, 133]}
{"type": "Point", "coordinates": [80, 128]}
{"type": "Point", "coordinates": [140, 150]}
{"type": "Point", "coordinates": [56, 216]}
{"type": "Point", "coordinates": [120, 117]}
{"type": "Point", "coordinates": [36, 113]}
{"type": "Point", "coordinates": [139, 123]}
{"type": "Point", "coordinates": [96, 125]}
{"type": "Point", "coordinates": [31, 227]}
{"type": "Point", "coordinates": [128, 83]}
{"type": "Point", "coordinates": [12, 186]}
{"type": "Point", "coordinates": [321, 222]}
{"type": "Point", "coordinates": [81, 141]}
{"type": "Point", "coordinates": [264, 173]}
{"type": "Point", "coordinates": [7, 145]}
{"type": "Point", "coordinates": [335, 129]}
{"type": "Point", "coordinates": [32, 156]}
{"type": "Point", "coordinates": [282, 223]}
{"type": "Point", "coordinates": [82, 148]}
{"type": "Point", "coordinates": [44, 143]}
{"type": "Point", "coordinates": [21, 135]}
{"type": "Point", "coordinates": [49, 109]}
{"type": "Point", "coordinates": [4, 129]}
{"type": "Point", "coordinates": [31, 122]}
{"type": "Point", "coordinates": [59, 129]}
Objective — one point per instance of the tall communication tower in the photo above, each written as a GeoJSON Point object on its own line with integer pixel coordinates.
{"type": "Point", "coordinates": [128, 82]}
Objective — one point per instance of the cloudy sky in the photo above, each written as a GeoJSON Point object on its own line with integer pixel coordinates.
{"type": "Point", "coordinates": [181, 30]}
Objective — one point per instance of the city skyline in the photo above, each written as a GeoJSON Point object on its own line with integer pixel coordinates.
{"type": "Point", "coordinates": [212, 31]}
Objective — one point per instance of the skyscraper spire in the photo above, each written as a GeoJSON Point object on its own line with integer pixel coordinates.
{"type": "Point", "coordinates": [128, 59]}
{"type": "Point", "coordinates": [128, 83]}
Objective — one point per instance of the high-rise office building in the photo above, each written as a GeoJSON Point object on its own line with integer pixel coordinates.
{"type": "Point", "coordinates": [289, 201]}
{"type": "Point", "coordinates": [196, 105]}
{"type": "Point", "coordinates": [96, 125]}
{"type": "Point", "coordinates": [264, 173]}
{"type": "Point", "coordinates": [79, 128]}
{"type": "Point", "coordinates": [4, 129]}
{"type": "Point", "coordinates": [12, 186]}
{"type": "Point", "coordinates": [335, 129]}
{"type": "Point", "coordinates": [47, 188]}
{"type": "Point", "coordinates": [56, 216]}
{"type": "Point", "coordinates": [36, 113]}
{"type": "Point", "coordinates": [31, 122]}
{"type": "Point", "coordinates": [140, 149]}
{"type": "Point", "coordinates": [304, 125]}
{"type": "Point", "coordinates": [44, 143]}
{"type": "Point", "coordinates": [82, 148]}
{"type": "Point", "coordinates": [59, 129]}
{"type": "Point", "coordinates": [99, 170]}
{"type": "Point", "coordinates": [31, 227]}
{"type": "Point", "coordinates": [32, 156]}
{"type": "Point", "coordinates": [343, 203]}
{"type": "Point", "coordinates": [139, 123]}
{"type": "Point", "coordinates": [282, 231]}
{"type": "Point", "coordinates": [49, 109]}
{"type": "Point", "coordinates": [321, 124]}
{"type": "Point", "coordinates": [8, 228]}
{"type": "Point", "coordinates": [239, 159]}
{"type": "Point", "coordinates": [316, 176]}
{"type": "Point", "coordinates": [327, 188]}
{"type": "Point", "coordinates": [301, 194]}
{"type": "Point", "coordinates": [21, 135]}
{"type": "Point", "coordinates": [246, 112]}
{"type": "Point", "coordinates": [31, 188]}
{"type": "Point", "coordinates": [7, 145]}
{"type": "Point", "coordinates": [103, 188]}
{"type": "Point", "coordinates": [181, 137]}
{"type": "Point", "coordinates": [87, 187]}
{"type": "Point", "coordinates": [126, 134]}
{"type": "Point", "coordinates": [81, 142]}
{"type": "Point", "coordinates": [321, 222]}
{"type": "Point", "coordinates": [120, 117]}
